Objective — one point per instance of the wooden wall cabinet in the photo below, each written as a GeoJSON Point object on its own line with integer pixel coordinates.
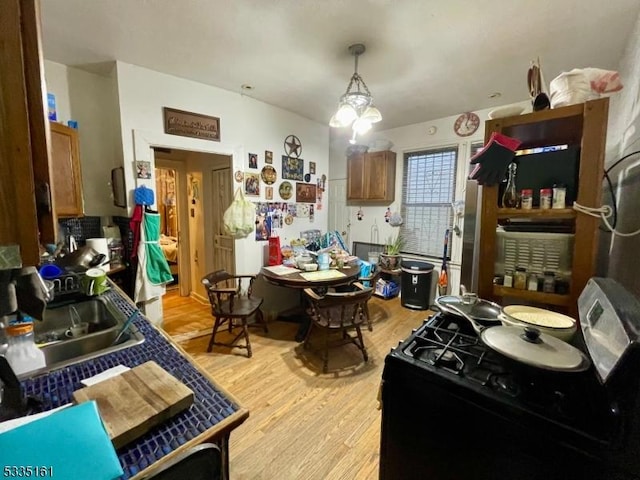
{"type": "Point", "coordinates": [371, 177]}
{"type": "Point", "coordinates": [65, 168]}
{"type": "Point", "coordinates": [583, 125]}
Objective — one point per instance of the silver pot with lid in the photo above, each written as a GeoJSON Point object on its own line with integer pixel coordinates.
{"type": "Point", "coordinates": [531, 347]}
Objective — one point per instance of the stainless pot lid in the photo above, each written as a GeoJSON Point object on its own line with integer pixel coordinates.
{"type": "Point", "coordinates": [528, 345]}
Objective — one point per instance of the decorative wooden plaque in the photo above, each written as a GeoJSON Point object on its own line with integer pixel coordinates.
{"type": "Point", "coordinates": [189, 124]}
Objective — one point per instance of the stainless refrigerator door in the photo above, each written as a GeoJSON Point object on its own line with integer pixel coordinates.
{"type": "Point", "coordinates": [471, 236]}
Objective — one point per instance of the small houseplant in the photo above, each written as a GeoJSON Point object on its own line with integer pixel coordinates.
{"type": "Point", "coordinates": [390, 257]}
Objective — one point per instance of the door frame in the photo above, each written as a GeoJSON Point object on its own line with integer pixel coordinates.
{"type": "Point", "coordinates": [184, 247]}
{"type": "Point", "coordinates": [144, 141]}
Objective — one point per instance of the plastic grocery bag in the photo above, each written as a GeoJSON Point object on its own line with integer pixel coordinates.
{"type": "Point", "coordinates": [240, 218]}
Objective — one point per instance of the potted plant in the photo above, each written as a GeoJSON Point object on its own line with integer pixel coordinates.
{"type": "Point", "coordinates": [390, 257]}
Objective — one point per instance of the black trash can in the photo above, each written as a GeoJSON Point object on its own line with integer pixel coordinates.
{"type": "Point", "coordinates": [416, 284]}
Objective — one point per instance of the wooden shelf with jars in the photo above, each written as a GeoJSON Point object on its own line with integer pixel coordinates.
{"type": "Point", "coordinates": [537, 213]}
{"type": "Point", "coordinates": [583, 126]}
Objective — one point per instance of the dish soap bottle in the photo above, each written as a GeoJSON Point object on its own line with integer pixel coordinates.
{"type": "Point", "coordinates": [510, 195]}
{"type": "Point", "coordinates": [22, 353]}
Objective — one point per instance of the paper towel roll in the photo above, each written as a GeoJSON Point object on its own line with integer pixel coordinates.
{"type": "Point", "coordinates": [100, 245]}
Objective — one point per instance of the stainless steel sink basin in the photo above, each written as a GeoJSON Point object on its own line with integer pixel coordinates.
{"type": "Point", "coordinates": [105, 322]}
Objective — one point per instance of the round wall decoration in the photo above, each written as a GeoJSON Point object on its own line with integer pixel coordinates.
{"type": "Point", "coordinates": [285, 190]}
{"type": "Point", "coordinates": [292, 146]}
{"type": "Point", "coordinates": [268, 174]}
{"type": "Point", "coordinates": [466, 124]}
{"type": "Point", "coordinates": [288, 219]}
{"type": "Point", "coordinates": [239, 176]}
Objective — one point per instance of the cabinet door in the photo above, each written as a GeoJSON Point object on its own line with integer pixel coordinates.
{"type": "Point", "coordinates": [379, 176]}
{"type": "Point", "coordinates": [355, 177]}
{"type": "Point", "coordinates": [65, 166]}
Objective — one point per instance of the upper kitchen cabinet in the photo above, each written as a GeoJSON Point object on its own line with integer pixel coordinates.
{"type": "Point", "coordinates": [24, 157]}
{"type": "Point", "coordinates": [530, 238]}
{"type": "Point", "coordinates": [65, 166]}
{"type": "Point", "coordinates": [371, 177]}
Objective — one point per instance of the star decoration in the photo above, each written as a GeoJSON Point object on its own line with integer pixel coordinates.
{"type": "Point", "coordinates": [292, 146]}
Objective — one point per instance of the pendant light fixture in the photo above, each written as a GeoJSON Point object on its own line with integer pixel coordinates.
{"type": "Point", "coordinates": [356, 105]}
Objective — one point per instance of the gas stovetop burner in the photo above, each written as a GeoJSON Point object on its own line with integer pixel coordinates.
{"type": "Point", "coordinates": [446, 359]}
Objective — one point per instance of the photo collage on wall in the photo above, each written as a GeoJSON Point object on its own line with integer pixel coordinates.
{"type": "Point", "coordinates": [305, 188]}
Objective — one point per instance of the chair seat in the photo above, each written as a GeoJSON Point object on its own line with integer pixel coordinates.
{"type": "Point", "coordinates": [242, 307]}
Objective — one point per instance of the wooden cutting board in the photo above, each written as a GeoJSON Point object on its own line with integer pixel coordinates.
{"type": "Point", "coordinates": [135, 401]}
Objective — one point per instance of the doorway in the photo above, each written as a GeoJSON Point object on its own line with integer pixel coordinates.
{"type": "Point", "coordinates": [193, 191]}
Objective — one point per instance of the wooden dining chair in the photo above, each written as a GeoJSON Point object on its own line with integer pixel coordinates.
{"type": "Point", "coordinates": [338, 313]}
{"type": "Point", "coordinates": [232, 303]}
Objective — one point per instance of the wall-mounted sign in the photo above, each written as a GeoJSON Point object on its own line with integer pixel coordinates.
{"type": "Point", "coordinates": [189, 124]}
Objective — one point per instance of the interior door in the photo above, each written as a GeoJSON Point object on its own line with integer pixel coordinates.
{"type": "Point", "coordinates": [338, 210]}
{"type": "Point", "coordinates": [223, 244]}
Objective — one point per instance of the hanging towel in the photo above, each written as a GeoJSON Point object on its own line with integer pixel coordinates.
{"type": "Point", "coordinates": [153, 270]}
{"type": "Point", "coordinates": [157, 267]}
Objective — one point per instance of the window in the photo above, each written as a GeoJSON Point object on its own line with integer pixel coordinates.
{"type": "Point", "coordinates": [428, 187]}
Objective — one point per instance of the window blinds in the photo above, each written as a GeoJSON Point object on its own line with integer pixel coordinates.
{"type": "Point", "coordinates": [428, 187]}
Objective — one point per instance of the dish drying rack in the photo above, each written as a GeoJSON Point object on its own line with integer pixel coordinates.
{"type": "Point", "coordinates": [67, 283]}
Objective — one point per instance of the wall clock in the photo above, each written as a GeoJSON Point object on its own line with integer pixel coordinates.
{"type": "Point", "coordinates": [466, 124]}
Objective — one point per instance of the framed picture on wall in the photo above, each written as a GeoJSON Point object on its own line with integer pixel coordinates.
{"type": "Point", "coordinates": [268, 156]}
{"type": "Point", "coordinates": [253, 160]}
{"type": "Point", "coordinates": [305, 193]}
{"type": "Point", "coordinates": [268, 193]}
{"type": "Point", "coordinates": [252, 184]}
{"type": "Point", "coordinates": [292, 168]}
{"type": "Point", "coordinates": [143, 169]}
{"type": "Point", "coordinates": [312, 168]}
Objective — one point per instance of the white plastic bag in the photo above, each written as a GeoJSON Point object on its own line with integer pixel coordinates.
{"type": "Point", "coordinates": [240, 218]}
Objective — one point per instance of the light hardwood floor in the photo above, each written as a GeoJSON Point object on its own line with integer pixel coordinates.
{"type": "Point", "coordinates": [303, 424]}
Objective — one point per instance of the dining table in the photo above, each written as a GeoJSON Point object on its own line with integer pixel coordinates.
{"type": "Point", "coordinates": [319, 280]}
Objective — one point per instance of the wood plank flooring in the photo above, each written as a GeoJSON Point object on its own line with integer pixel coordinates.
{"type": "Point", "coordinates": [303, 424]}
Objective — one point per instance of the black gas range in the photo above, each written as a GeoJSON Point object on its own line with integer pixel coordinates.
{"type": "Point", "coordinates": [452, 408]}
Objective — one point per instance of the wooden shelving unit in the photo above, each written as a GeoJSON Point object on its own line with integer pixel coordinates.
{"type": "Point", "coordinates": [583, 125]}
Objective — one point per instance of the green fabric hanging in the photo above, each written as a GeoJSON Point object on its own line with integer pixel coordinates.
{"type": "Point", "coordinates": [158, 271]}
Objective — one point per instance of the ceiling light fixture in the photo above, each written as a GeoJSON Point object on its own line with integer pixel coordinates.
{"type": "Point", "coordinates": [356, 105]}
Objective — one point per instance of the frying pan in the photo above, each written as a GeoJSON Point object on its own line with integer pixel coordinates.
{"type": "Point", "coordinates": [85, 257]}
{"type": "Point", "coordinates": [481, 314]}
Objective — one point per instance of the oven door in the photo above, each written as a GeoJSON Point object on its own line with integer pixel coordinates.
{"type": "Point", "coordinates": [435, 429]}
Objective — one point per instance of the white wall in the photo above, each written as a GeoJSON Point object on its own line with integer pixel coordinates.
{"type": "Point", "coordinates": [89, 99]}
{"type": "Point", "coordinates": [407, 139]}
{"type": "Point", "coordinates": [246, 126]}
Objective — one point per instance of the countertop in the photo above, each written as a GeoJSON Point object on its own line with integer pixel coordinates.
{"type": "Point", "coordinates": [213, 415]}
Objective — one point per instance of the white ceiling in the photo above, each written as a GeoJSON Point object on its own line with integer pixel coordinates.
{"type": "Point", "coordinates": [425, 59]}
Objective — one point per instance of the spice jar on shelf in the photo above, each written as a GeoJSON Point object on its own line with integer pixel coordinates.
{"type": "Point", "coordinates": [545, 198]}
{"type": "Point", "coordinates": [559, 196]}
{"type": "Point", "coordinates": [507, 280]}
{"type": "Point", "coordinates": [549, 282]}
{"type": "Point", "coordinates": [526, 199]}
{"type": "Point", "coordinates": [520, 278]}
{"type": "Point", "coordinates": [533, 283]}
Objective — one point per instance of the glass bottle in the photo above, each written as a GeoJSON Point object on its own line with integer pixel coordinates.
{"type": "Point", "coordinates": [510, 195]}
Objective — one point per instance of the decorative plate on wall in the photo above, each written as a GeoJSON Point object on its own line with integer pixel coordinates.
{"type": "Point", "coordinates": [239, 176]}
{"type": "Point", "coordinates": [285, 190]}
{"type": "Point", "coordinates": [268, 174]}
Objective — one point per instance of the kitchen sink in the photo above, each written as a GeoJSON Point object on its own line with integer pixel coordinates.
{"type": "Point", "coordinates": [104, 324]}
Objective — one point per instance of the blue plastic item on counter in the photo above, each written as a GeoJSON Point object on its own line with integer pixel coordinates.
{"type": "Point", "coordinates": [50, 271]}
